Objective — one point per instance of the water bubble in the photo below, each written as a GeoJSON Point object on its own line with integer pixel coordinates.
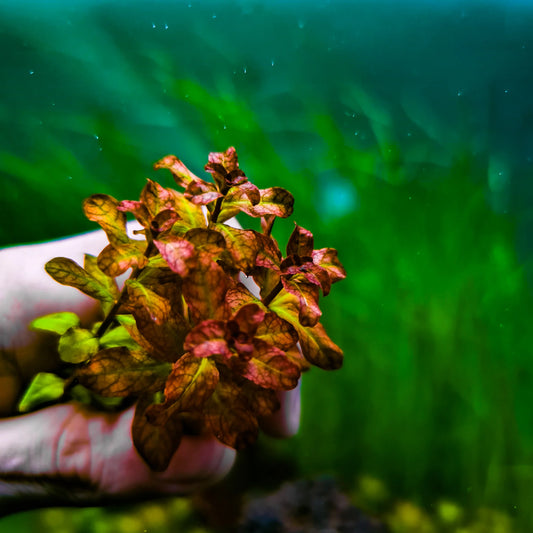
{"type": "Point", "coordinates": [69, 177]}
{"type": "Point", "coordinates": [153, 25]}
{"type": "Point", "coordinates": [301, 24]}
{"type": "Point", "coordinates": [459, 93]}
{"type": "Point", "coordinates": [272, 63]}
{"type": "Point", "coordinates": [32, 72]}
{"type": "Point", "coordinates": [214, 16]}
{"type": "Point", "coordinates": [506, 91]}
{"type": "Point", "coordinates": [356, 133]}
{"type": "Point", "coordinates": [244, 70]}
{"type": "Point", "coordinates": [166, 26]}
{"type": "Point", "coordinates": [96, 136]}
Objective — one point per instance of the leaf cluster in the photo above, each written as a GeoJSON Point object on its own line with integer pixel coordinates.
{"type": "Point", "coordinates": [187, 336]}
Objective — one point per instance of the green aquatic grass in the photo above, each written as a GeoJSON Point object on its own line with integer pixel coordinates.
{"type": "Point", "coordinates": [436, 394]}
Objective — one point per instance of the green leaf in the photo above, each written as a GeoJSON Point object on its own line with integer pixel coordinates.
{"type": "Point", "coordinates": [77, 345]}
{"type": "Point", "coordinates": [119, 372]}
{"type": "Point", "coordinates": [116, 337]}
{"type": "Point", "coordinates": [44, 387]}
{"type": "Point", "coordinates": [56, 322]}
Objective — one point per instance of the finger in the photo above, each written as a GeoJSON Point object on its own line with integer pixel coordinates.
{"type": "Point", "coordinates": [67, 454]}
{"type": "Point", "coordinates": [285, 422]}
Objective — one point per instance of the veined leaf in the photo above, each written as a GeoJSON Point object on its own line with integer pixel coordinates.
{"type": "Point", "coordinates": [77, 345]}
{"type": "Point", "coordinates": [208, 338]}
{"type": "Point", "coordinates": [118, 372]}
{"type": "Point", "coordinates": [189, 386]}
{"type": "Point", "coordinates": [156, 322]}
{"type": "Point", "coordinates": [204, 290]}
{"type": "Point", "coordinates": [201, 192]}
{"type": "Point", "coordinates": [240, 198]}
{"type": "Point", "coordinates": [242, 246]}
{"type": "Point", "coordinates": [115, 260]}
{"type": "Point", "coordinates": [277, 332]}
{"type": "Point", "coordinates": [182, 175]}
{"type": "Point", "coordinates": [300, 243]}
{"type": "Point", "coordinates": [177, 252]}
{"type": "Point", "coordinates": [274, 201]}
{"type": "Point", "coordinates": [316, 346]}
{"type": "Point", "coordinates": [327, 258]}
{"type": "Point", "coordinates": [137, 209]}
{"type": "Point", "coordinates": [238, 296]}
{"type": "Point", "coordinates": [229, 416]}
{"type": "Point", "coordinates": [155, 444]}
{"type": "Point", "coordinates": [207, 241]}
{"type": "Point", "coordinates": [44, 387]}
{"type": "Point", "coordinates": [56, 322]}
{"type": "Point", "coordinates": [103, 209]}
{"type": "Point", "coordinates": [68, 272]}
{"type": "Point", "coordinates": [90, 265]}
{"type": "Point", "coordinates": [268, 367]}
{"type": "Point", "coordinates": [307, 295]}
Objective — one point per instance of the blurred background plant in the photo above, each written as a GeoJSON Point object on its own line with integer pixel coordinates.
{"type": "Point", "coordinates": [416, 122]}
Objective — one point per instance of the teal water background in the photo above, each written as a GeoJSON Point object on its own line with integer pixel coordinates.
{"type": "Point", "coordinates": [405, 132]}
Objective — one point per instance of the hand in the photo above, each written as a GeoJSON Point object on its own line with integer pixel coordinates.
{"type": "Point", "coordinates": [67, 454]}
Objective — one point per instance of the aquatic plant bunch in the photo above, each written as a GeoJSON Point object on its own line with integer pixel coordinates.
{"type": "Point", "coordinates": [187, 337]}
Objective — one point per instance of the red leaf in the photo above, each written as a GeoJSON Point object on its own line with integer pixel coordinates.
{"type": "Point", "coordinates": [207, 339]}
{"type": "Point", "coordinates": [155, 444]}
{"type": "Point", "coordinates": [204, 290]}
{"type": "Point", "coordinates": [268, 367]}
{"type": "Point", "coordinates": [300, 243]}
{"type": "Point", "coordinates": [242, 246]}
{"type": "Point", "coordinates": [307, 295]}
{"type": "Point", "coordinates": [238, 296]}
{"type": "Point", "coordinates": [182, 175]}
{"type": "Point", "coordinates": [189, 386]}
{"type": "Point", "coordinates": [327, 258]}
{"type": "Point", "coordinates": [229, 417]}
{"type": "Point", "coordinates": [277, 332]}
{"type": "Point", "coordinates": [248, 318]}
{"type": "Point", "coordinates": [137, 209]}
{"type": "Point", "coordinates": [316, 346]}
{"type": "Point", "coordinates": [178, 253]}
{"type": "Point", "coordinates": [201, 192]}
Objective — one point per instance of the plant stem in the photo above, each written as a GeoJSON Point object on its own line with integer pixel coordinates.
{"type": "Point", "coordinates": [216, 210]}
{"type": "Point", "coordinates": [116, 306]}
{"type": "Point", "coordinates": [273, 293]}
